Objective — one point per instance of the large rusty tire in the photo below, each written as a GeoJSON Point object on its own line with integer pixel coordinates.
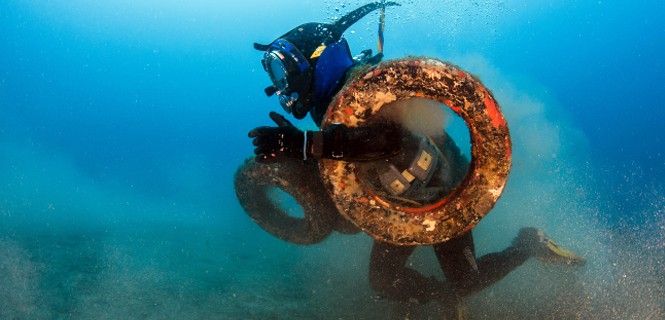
{"type": "Point", "coordinates": [254, 181]}
{"type": "Point", "coordinates": [460, 210]}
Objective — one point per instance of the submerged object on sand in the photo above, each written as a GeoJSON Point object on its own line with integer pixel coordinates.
{"type": "Point", "coordinates": [456, 212]}
{"type": "Point", "coordinates": [253, 183]}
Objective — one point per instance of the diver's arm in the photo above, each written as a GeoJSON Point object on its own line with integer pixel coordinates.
{"type": "Point", "coordinates": [370, 142]}
{"type": "Point", "coordinates": [337, 141]}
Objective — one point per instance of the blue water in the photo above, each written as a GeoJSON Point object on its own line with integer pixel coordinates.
{"type": "Point", "coordinates": [123, 122]}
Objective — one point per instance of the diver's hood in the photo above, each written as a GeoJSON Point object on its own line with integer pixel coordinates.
{"type": "Point", "coordinates": [311, 42]}
{"type": "Point", "coordinates": [309, 36]}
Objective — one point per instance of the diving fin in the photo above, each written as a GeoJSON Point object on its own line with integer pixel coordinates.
{"type": "Point", "coordinates": [557, 254]}
{"type": "Point", "coordinates": [545, 249]}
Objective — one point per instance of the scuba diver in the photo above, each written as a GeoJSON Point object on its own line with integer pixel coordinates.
{"type": "Point", "coordinates": [308, 66]}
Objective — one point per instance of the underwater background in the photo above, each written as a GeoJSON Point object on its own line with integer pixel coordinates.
{"type": "Point", "coordinates": [122, 124]}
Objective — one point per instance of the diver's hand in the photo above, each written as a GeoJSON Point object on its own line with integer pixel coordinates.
{"type": "Point", "coordinates": [273, 143]}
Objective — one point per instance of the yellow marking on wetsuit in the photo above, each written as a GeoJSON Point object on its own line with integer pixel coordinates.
{"type": "Point", "coordinates": [318, 51]}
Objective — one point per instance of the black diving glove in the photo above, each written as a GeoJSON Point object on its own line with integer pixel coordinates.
{"type": "Point", "coordinates": [273, 143]}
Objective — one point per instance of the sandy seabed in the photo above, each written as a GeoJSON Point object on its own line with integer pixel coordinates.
{"type": "Point", "coordinates": [198, 273]}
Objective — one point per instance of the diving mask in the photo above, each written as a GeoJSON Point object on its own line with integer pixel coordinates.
{"type": "Point", "coordinates": [290, 73]}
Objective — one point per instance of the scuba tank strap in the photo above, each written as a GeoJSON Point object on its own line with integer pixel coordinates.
{"type": "Point", "coordinates": [380, 41]}
{"type": "Point", "coordinates": [382, 27]}
{"type": "Point", "coordinates": [365, 57]}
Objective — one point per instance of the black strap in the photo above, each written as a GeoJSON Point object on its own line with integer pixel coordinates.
{"type": "Point", "coordinates": [370, 142]}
